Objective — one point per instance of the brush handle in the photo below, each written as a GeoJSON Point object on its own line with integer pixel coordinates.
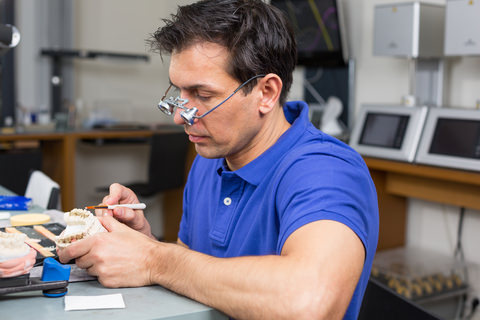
{"type": "Point", "coordinates": [140, 206]}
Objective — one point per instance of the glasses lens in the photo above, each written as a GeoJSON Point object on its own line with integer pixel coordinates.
{"type": "Point", "coordinates": [166, 108]}
{"type": "Point", "coordinates": [168, 104]}
{"type": "Point", "coordinates": [189, 115]}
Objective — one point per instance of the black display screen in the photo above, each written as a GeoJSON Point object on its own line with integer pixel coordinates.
{"type": "Point", "coordinates": [384, 130]}
{"type": "Point", "coordinates": [317, 30]}
{"type": "Point", "coordinates": [456, 137]}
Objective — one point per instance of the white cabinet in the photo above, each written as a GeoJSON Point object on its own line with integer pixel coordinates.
{"type": "Point", "coordinates": [411, 29]}
{"type": "Point", "coordinates": [462, 27]}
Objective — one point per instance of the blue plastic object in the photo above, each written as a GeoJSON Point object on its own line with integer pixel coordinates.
{"type": "Point", "coordinates": [55, 271]}
{"type": "Point", "coordinates": [14, 202]}
{"type": "Point", "coordinates": [55, 295]}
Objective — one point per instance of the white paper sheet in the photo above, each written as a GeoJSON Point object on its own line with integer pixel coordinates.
{"type": "Point", "coordinates": [109, 301]}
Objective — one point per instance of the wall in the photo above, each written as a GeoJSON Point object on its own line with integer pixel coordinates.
{"type": "Point", "coordinates": [122, 26]}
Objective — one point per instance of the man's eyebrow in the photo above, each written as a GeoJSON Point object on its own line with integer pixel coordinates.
{"type": "Point", "coordinates": [192, 87]}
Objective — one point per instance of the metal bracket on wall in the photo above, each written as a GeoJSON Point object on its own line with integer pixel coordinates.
{"type": "Point", "coordinates": [57, 56]}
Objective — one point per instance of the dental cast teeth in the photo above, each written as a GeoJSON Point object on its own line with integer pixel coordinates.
{"type": "Point", "coordinates": [80, 224]}
{"type": "Point", "coordinates": [12, 245]}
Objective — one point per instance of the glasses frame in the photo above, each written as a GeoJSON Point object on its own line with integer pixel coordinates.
{"type": "Point", "coordinates": [189, 115]}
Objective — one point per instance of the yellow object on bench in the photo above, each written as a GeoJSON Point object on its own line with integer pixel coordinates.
{"type": "Point", "coordinates": [29, 219]}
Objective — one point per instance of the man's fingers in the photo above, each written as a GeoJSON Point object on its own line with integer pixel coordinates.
{"type": "Point", "coordinates": [83, 262]}
{"type": "Point", "coordinates": [76, 249]}
{"type": "Point", "coordinates": [111, 224]}
{"type": "Point", "coordinates": [124, 214]}
{"type": "Point", "coordinates": [119, 194]}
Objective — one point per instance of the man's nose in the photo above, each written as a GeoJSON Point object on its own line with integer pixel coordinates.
{"type": "Point", "coordinates": [177, 118]}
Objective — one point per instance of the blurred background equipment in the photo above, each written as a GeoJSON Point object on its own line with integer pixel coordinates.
{"type": "Point", "coordinates": [9, 37]}
{"type": "Point", "coordinates": [323, 60]}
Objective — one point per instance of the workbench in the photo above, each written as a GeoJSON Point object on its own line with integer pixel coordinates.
{"type": "Point", "coordinates": [58, 153]}
{"type": "Point", "coordinates": [397, 181]}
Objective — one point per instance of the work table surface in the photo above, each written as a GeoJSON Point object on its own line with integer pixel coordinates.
{"type": "Point", "coordinates": [153, 302]}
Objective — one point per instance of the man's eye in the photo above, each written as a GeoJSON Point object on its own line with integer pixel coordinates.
{"type": "Point", "coordinates": [202, 98]}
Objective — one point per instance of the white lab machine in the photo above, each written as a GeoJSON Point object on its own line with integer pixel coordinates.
{"type": "Point", "coordinates": [451, 138]}
{"type": "Point", "coordinates": [388, 131]}
{"type": "Point", "coordinates": [411, 29]}
{"type": "Point", "coordinates": [462, 28]}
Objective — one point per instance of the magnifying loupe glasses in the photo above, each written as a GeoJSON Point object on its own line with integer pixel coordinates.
{"type": "Point", "coordinates": [190, 114]}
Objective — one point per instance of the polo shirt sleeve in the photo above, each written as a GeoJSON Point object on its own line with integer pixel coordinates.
{"type": "Point", "coordinates": [328, 186]}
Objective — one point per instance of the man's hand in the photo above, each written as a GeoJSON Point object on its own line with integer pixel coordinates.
{"type": "Point", "coordinates": [135, 219]}
{"type": "Point", "coordinates": [119, 257]}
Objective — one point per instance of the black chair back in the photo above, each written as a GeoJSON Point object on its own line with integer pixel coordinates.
{"type": "Point", "coordinates": [168, 155]}
{"type": "Point", "coordinates": [166, 168]}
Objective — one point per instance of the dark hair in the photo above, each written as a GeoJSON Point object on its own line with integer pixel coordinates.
{"type": "Point", "coordinates": [256, 34]}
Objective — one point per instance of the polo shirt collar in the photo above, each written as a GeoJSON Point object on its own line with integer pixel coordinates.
{"type": "Point", "coordinates": [296, 113]}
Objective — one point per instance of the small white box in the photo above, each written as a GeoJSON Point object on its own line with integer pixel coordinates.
{"type": "Point", "coordinates": [462, 28]}
{"type": "Point", "coordinates": [411, 29]}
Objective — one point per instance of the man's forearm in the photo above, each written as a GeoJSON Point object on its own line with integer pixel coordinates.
{"type": "Point", "coordinates": [313, 278]}
{"type": "Point", "coordinates": [245, 287]}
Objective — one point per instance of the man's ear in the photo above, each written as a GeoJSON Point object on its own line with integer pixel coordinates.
{"type": "Point", "coordinates": [270, 87]}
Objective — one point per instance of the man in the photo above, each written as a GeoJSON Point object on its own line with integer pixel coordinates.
{"type": "Point", "coordinates": [279, 219]}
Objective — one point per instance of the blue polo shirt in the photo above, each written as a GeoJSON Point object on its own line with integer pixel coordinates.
{"type": "Point", "coordinates": [304, 177]}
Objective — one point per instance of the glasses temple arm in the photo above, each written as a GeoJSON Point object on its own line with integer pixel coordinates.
{"type": "Point", "coordinates": [236, 90]}
{"type": "Point", "coordinates": [166, 92]}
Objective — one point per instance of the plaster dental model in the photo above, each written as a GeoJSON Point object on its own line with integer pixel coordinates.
{"type": "Point", "coordinates": [16, 257]}
{"type": "Point", "coordinates": [80, 224]}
